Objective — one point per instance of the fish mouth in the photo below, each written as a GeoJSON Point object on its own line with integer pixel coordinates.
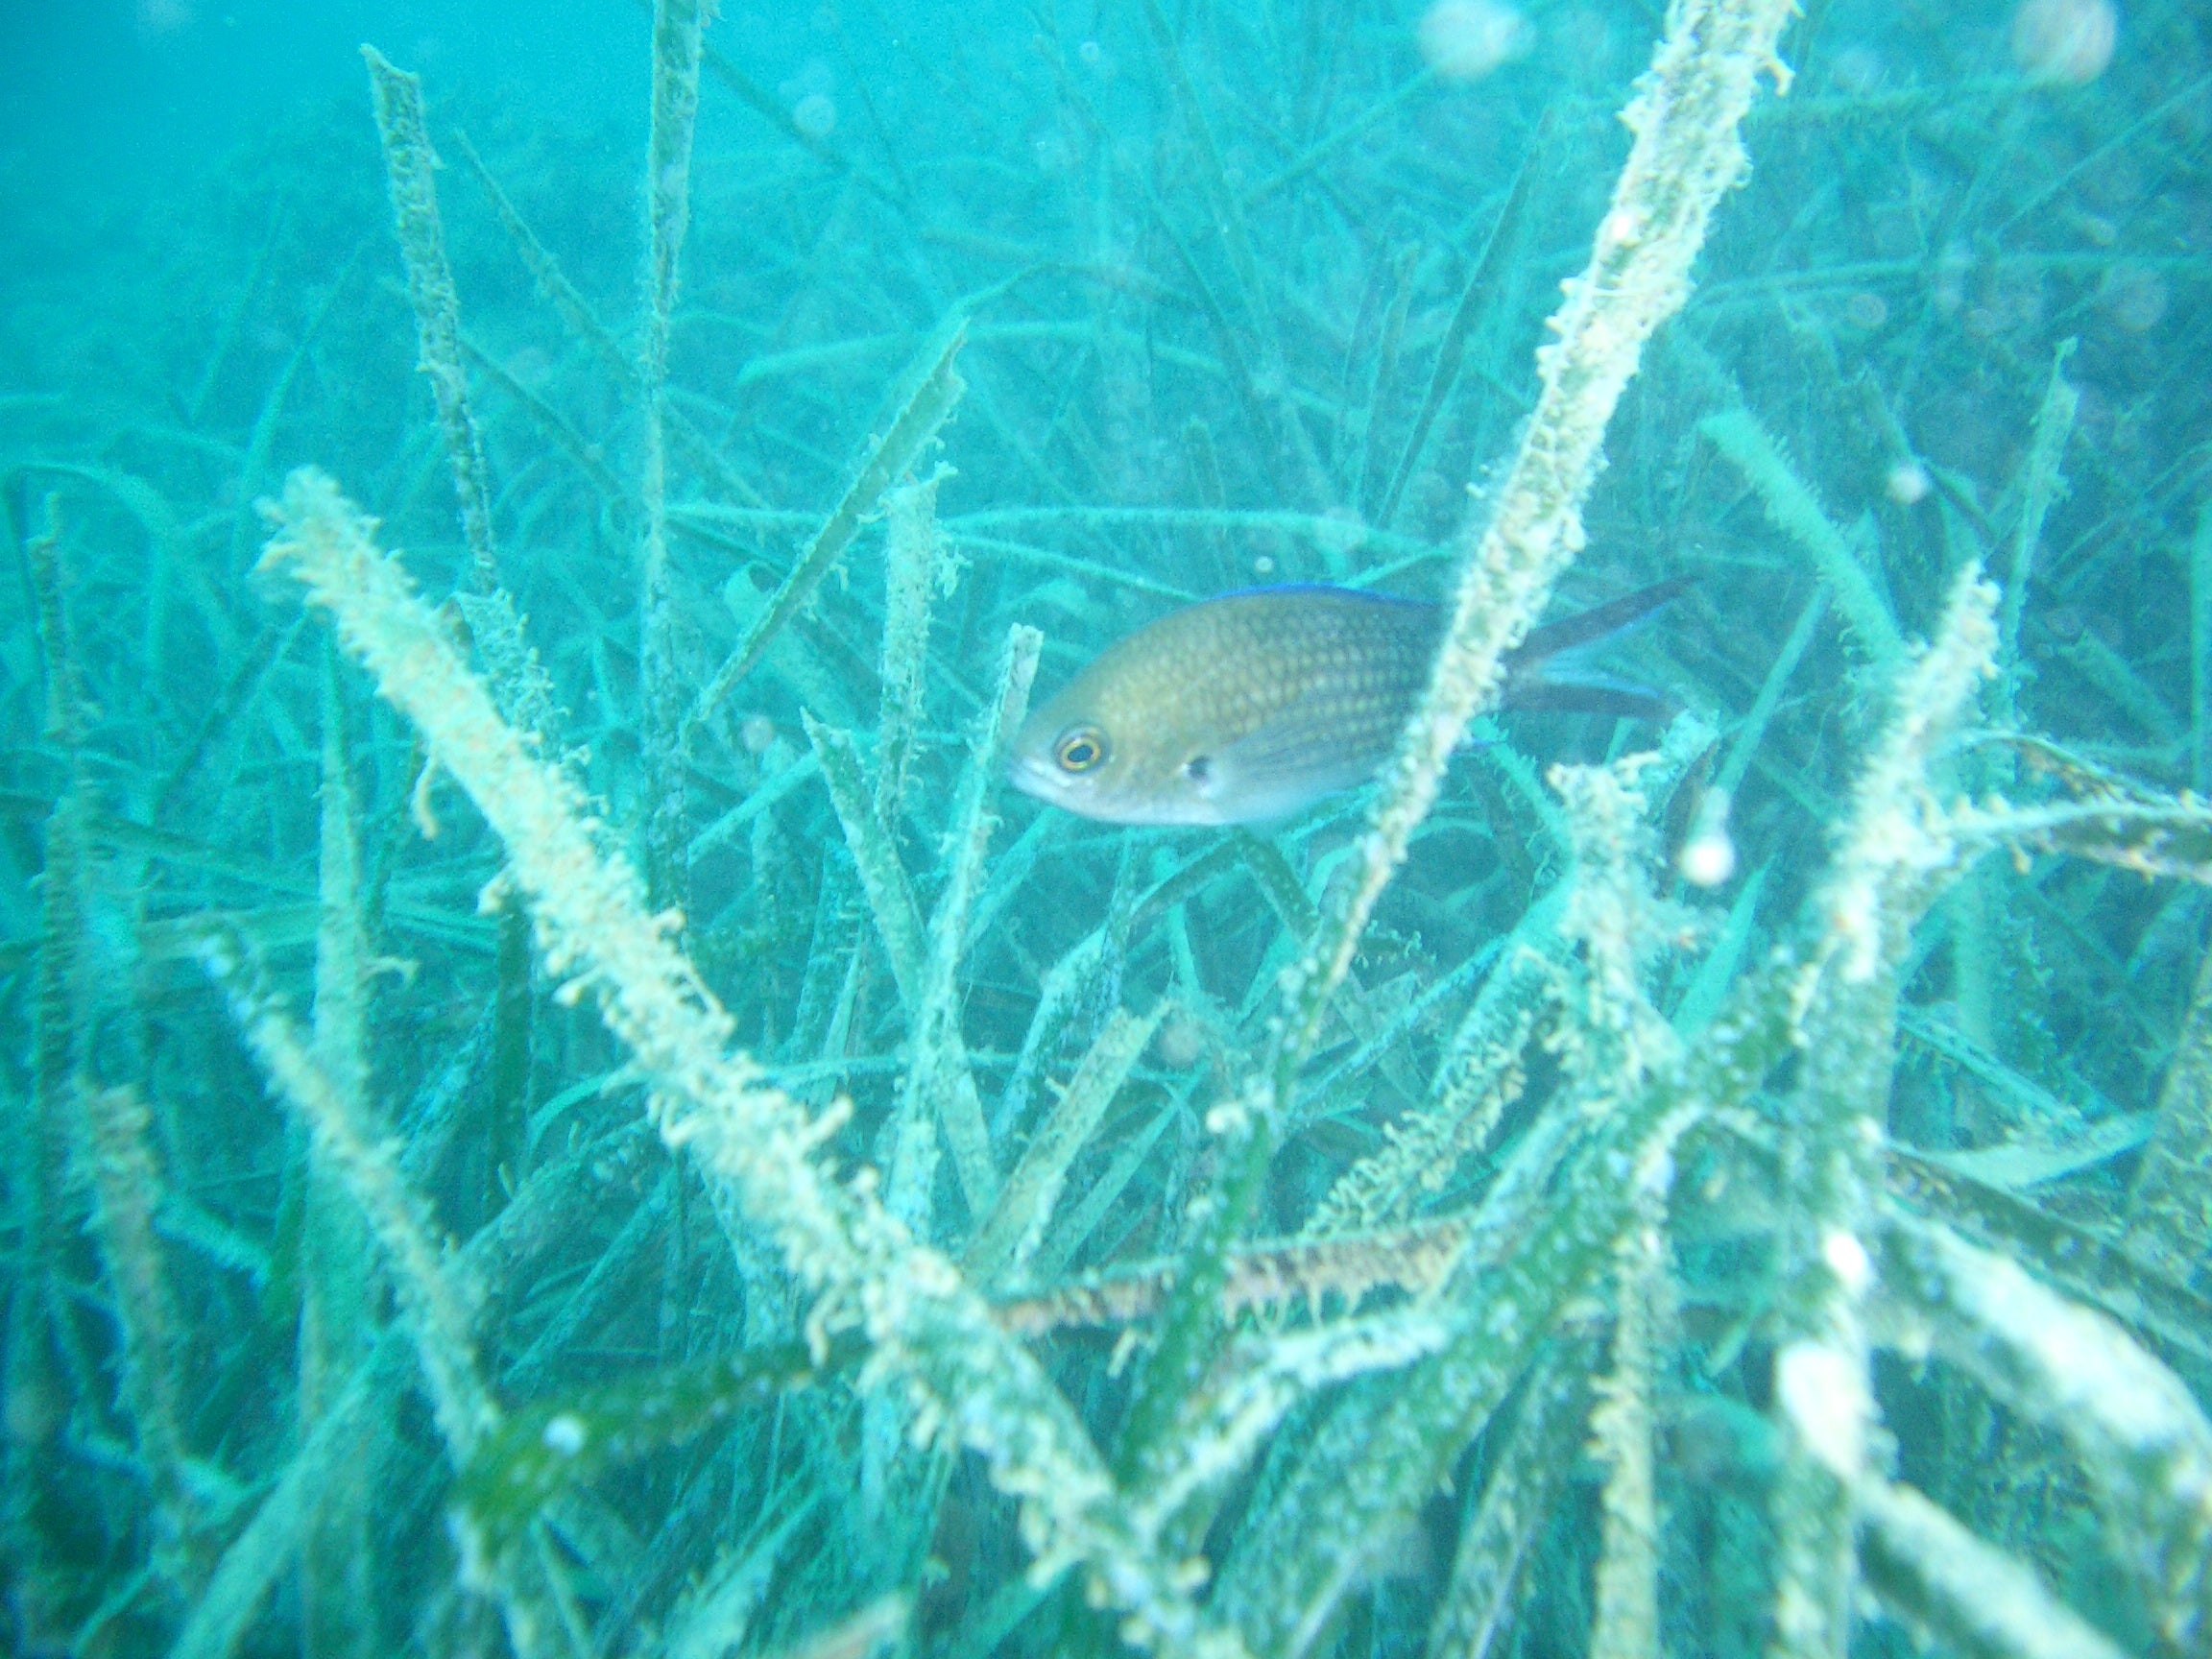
{"type": "Point", "coordinates": [1027, 774]}
{"type": "Point", "coordinates": [1041, 781]}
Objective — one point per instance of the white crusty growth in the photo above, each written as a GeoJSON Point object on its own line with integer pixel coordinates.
{"type": "Point", "coordinates": [931, 1331]}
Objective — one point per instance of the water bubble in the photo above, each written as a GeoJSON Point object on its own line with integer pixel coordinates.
{"type": "Point", "coordinates": [2068, 41]}
{"type": "Point", "coordinates": [1262, 565]}
{"type": "Point", "coordinates": [1090, 54]}
{"type": "Point", "coordinates": [815, 115]}
{"type": "Point", "coordinates": [565, 1434]}
{"type": "Point", "coordinates": [1466, 39]}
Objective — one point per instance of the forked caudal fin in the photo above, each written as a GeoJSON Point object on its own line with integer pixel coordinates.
{"type": "Point", "coordinates": [1599, 622]}
{"type": "Point", "coordinates": [1536, 681]}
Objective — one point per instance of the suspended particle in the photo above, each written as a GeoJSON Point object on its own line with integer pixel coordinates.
{"type": "Point", "coordinates": [1953, 266]}
{"type": "Point", "coordinates": [2067, 42]}
{"type": "Point", "coordinates": [158, 17]}
{"type": "Point", "coordinates": [531, 366]}
{"type": "Point", "coordinates": [815, 115]}
{"type": "Point", "coordinates": [1709, 860]}
{"type": "Point", "coordinates": [1181, 1043]}
{"type": "Point", "coordinates": [1907, 484]}
{"type": "Point", "coordinates": [2133, 296]}
{"type": "Point", "coordinates": [1466, 39]}
{"type": "Point", "coordinates": [1857, 70]}
{"type": "Point", "coordinates": [1866, 311]}
{"type": "Point", "coordinates": [1341, 532]}
{"type": "Point", "coordinates": [1051, 149]}
{"type": "Point", "coordinates": [756, 732]}
{"type": "Point", "coordinates": [1847, 1259]}
{"type": "Point", "coordinates": [1708, 856]}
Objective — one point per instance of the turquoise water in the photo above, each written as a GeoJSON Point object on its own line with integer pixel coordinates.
{"type": "Point", "coordinates": [402, 1252]}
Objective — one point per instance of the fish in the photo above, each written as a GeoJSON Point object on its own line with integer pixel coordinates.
{"type": "Point", "coordinates": [1250, 706]}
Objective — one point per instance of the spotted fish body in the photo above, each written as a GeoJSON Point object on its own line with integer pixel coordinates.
{"type": "Point", "coordinates": [1253, 706]}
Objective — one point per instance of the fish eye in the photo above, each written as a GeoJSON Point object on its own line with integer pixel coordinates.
{"type": "Point", "coordinates": [1198, 768]}
{"type": "Point", "coordinates": [1080, 750]}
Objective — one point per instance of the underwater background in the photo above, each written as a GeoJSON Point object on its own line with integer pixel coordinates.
{"type": "Point", "coordinates": [554, 1100]}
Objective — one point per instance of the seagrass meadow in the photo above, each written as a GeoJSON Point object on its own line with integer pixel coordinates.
{"type": "Point", "coordinates": [555, 1102]}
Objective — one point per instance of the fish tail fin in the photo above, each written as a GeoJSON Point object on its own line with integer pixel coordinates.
{"type": "Point", "coordinates": [1584, 693]}
{"type": "Point", "coordinates": [1534, 680]}
{"type": "Point", "coordinates": [1599, 622]}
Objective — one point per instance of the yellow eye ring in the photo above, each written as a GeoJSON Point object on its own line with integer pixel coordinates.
{"type": "Point", "coordinates": [1080, 750]}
